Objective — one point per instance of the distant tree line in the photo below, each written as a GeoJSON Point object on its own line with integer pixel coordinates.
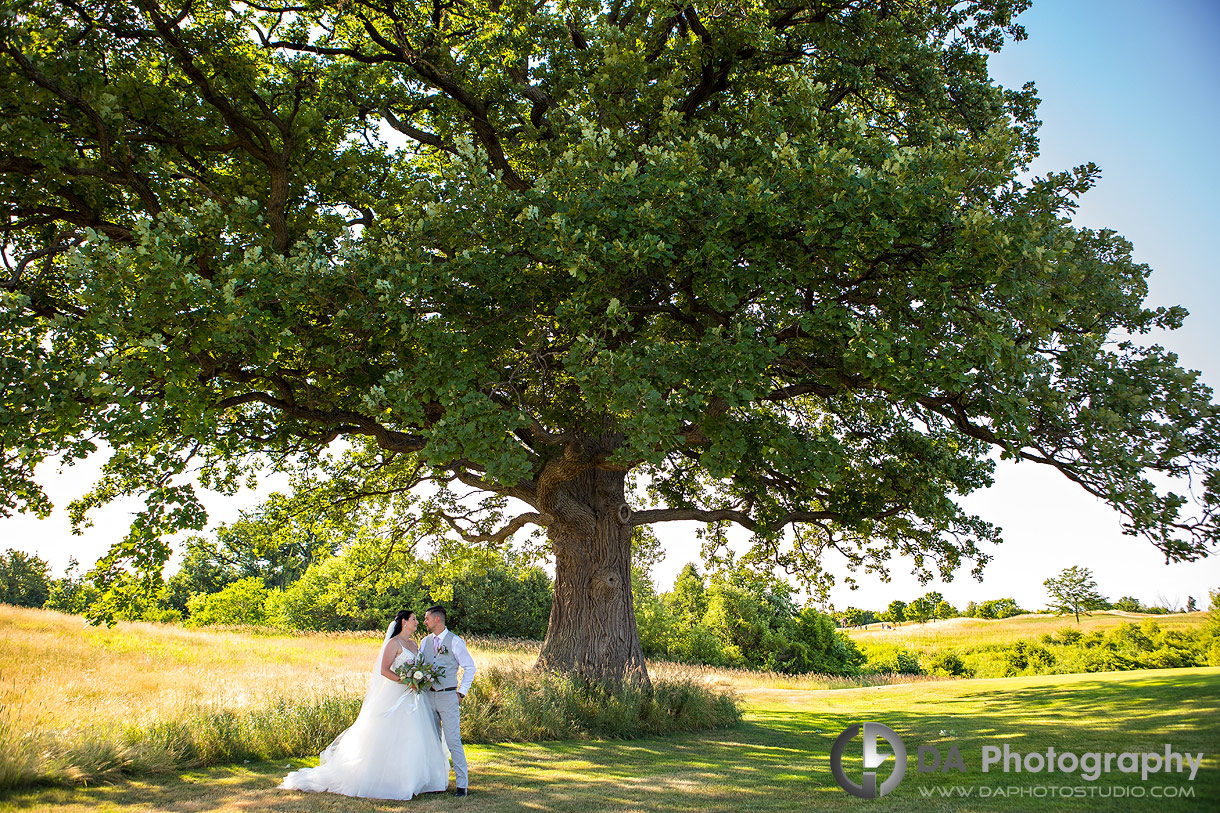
{"type": "Point", "coordinates": [1073, 591]}
{"type": "Point", "coordinates": [928, 607]}
{"type": "Point", "coordinates": [1066, 650]}
{"type": "Point", "coordinates": [278, 565]}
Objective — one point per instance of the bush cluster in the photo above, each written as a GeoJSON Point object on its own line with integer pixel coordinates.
{"type": "Point", "coordinates": [893, 659]}
{"type": "Point", "coordinates": [1069, 651]}
{"type": "Point", "coordinates": [359, 587]}
{"type": "Point", "coordinates": [1131, 646]}
{"type": "Point", "coordinates": [738, 618]}
{"type": "Point", "coordinates": [356, 587]}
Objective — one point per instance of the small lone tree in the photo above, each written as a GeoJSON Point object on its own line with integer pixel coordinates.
{"type": "Point", "coordinates": [896, 613]}
{"type": "Point", "coordinates": [24, 579]}
{"type": "Point", "coordinates": [1074, 591]}
{"type": "Point", "coordinates": [688, 600]}
{"type": "Point", "coordinates": [920, 610]}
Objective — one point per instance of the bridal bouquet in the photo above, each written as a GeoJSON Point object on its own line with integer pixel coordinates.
{"type": "Point", "coordinates": [419, 676]}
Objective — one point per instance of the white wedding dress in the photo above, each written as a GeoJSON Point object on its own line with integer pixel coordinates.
{"type": "Point", "coordinates": [393, 750]}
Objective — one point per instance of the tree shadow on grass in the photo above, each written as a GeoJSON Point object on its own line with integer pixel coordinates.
{"type": "Point", "coordinates": [1137, 708]}
{"type": "Point", "coordinates": [777, 759]}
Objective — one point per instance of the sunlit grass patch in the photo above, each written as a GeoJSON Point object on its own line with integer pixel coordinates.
{"type": "Point", "coordinates": [777, 759]}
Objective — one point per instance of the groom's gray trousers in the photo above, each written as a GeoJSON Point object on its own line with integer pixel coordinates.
{"type": "Point", "coordinates": [446, 705]}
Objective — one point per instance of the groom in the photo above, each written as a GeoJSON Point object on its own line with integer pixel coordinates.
{"type": "Point", "coordinates": [446, 650]}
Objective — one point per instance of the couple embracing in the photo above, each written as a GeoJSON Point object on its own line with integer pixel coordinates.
{"type": "Point", "coordinates": [406, 731]}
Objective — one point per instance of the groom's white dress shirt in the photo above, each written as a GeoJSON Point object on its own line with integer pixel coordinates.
{"type": "Point", "coordinates": [457, 647]}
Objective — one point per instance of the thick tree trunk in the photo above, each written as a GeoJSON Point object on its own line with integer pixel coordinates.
{"type": "Point", "coordinates": [592, 629]}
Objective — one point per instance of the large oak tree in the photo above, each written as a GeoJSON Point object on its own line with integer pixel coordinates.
{"type": "Point", "coordinates": [767, 262]}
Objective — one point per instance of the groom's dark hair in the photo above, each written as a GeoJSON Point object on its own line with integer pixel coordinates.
{"type": "Point", "coordinates": [439, 610]}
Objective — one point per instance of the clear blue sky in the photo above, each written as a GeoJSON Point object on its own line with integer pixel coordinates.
{"type": "Point", "coordinates": [1133, 87]}
{"type": "Point", "coordinates": [1130, 86]}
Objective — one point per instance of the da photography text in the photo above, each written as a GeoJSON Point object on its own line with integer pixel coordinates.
{"type": "Point", "coordinates": [879, 778]}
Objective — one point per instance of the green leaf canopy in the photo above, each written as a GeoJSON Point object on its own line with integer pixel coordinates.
{"type": "Point", "coordinates": [770, 258]}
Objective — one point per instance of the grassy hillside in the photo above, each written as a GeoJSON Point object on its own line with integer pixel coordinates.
{"type": "Point", "coordinates": [963, 632]}
{"type": "Point", "coordinates": [1040, 644]}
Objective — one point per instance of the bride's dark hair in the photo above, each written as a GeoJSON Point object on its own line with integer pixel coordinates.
{"type": "Point", "coordinates": [400, 619]}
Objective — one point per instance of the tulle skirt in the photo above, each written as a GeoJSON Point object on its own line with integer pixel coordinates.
{"type": "Point", "coordinates": [394, 750]}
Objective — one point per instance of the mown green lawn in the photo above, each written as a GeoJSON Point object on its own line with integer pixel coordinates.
{"type": "Point", "coordinates": [778, 758]}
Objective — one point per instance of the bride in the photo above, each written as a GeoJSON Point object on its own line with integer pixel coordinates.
{"type": "Point", "coordinates": [394, 749]}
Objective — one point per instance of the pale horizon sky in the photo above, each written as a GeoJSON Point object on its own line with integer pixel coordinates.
{"type": "Point", "coordinates": [1127, 85]}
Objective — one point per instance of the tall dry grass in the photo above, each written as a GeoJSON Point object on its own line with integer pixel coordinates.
{"type": "Point", "coordinates": [528, 705]}
{"type": "Point", "coordinates": [81, 703]}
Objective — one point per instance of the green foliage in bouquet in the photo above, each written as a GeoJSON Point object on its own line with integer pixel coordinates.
{"type": "Point", "coordinates": [419, 676]}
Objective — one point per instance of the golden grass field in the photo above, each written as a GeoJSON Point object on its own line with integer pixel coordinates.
{"type": "Point", "coordinates": [81, 702]}
{"type": "Point", "coordinates": [58, 673]}
{"type": "Point", "coordinates": [54, 667]}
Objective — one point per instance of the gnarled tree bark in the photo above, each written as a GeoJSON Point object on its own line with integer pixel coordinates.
{"type": "Point", "coordinates": [592, 629]}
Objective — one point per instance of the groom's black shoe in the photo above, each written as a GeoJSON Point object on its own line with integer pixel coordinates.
{"type": "Point", "coordinates": [460, 792]}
